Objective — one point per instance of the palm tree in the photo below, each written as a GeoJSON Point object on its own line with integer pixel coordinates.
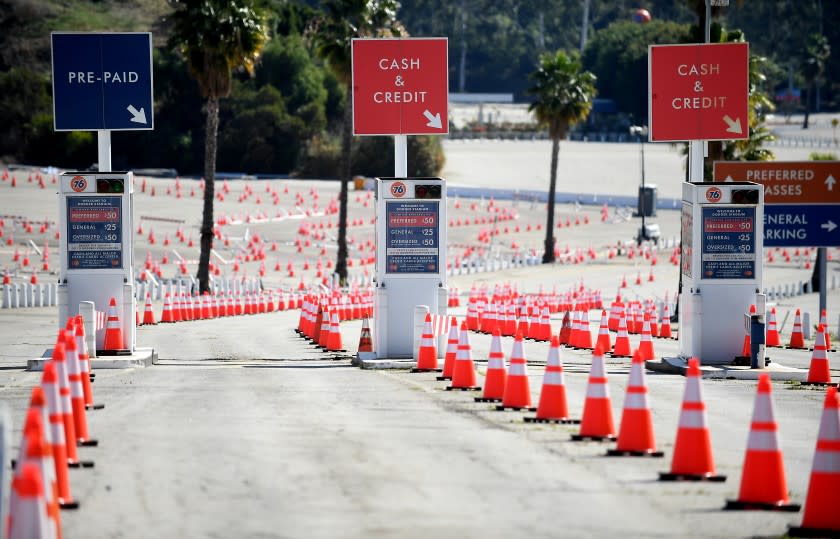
{"type": "Point", "coordinates": [816, 55]}
{"type": "Point", "coordinates": [333, 34]}
{"type": "Point", "coordinates": [215, 37]}
{"type": "Point", "coordinates": [563, 97]}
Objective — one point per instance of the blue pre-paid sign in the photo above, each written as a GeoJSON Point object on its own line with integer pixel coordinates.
{"type": "Point", "coordinates": [102, 81]}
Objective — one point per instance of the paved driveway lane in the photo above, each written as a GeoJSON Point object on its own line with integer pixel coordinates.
{"type": "Point", "coordinates": [296, 449]}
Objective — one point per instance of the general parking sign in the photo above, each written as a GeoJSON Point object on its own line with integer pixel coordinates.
{"type": "Point", "coordinates": [102, 81]}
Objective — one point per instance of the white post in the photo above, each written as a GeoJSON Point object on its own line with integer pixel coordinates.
{"type": "Point", "coordinates": [104, 150]}
{"type": "Point", "coordinates": [88, 311]}
{"type": "Point", "coordinates": [400, 156]}
{"type": "Point", "coordinates": [695, 161]}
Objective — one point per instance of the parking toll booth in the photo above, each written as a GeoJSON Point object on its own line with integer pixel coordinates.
{"type": "Point", "coordinates": [410, 259]}
{"type": "Point", "coordinates": [97, 248]}
{"type": "Point", "coordinates": [721, 266]}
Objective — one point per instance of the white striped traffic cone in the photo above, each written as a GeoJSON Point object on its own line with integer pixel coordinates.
{"type": "Point", "coordinates": [763, 483]}
{"type": "Point", "coordinates": [635, 434]}
{"type": "Point", "coordinates": [597, 420]}
{"type": "Point", "coordinates": [553, 406]}
{"type": "Point", "coordinates": [113, 329]}
{"type": "Point", "coordinates": [821, 518]}
{"type": "Point", "coordinates": [494, 380]}
{"type": "Point", "coordinates": [693, 459]}
{"type": "Point", "coordinates": [27, 505]}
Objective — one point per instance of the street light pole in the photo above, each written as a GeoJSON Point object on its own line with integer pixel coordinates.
{"type": "Point", "coordinates": [641, 132]}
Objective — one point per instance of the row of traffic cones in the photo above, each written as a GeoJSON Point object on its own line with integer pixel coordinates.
{"type": "Point", "coordinates": [185, 307]}
{"type": "Point", "coordinates": [56, 423]}
{"type": "Point", "coordinates": [763, 482]}
{"type": "Point", "coordinates": [320, 325]}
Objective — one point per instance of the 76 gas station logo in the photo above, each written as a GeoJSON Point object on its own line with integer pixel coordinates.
{"type": "Point", "coordinates": [78, 184]}
{"type": "Point", "coordinates": [398, 189]}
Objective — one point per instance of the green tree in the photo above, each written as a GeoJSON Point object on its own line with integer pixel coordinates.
{"type": "Point", "coordinates": [759, 104]}
{"type": "Point", "coordinates": [816, 55]}
{"type": "Point", "coordinates": [618, 56]}
{"type": "Point", "coordinates": [24, 95]}
{"type": "Point", "coordinates": [287, 65]}
{"type": "Point", "coordinates": [215, 37]}
{"type": "Point", "coordinates": [333, 34]}
{"type": "Point", "coordinates": [260, 135]}
{"type": "Point", "coordinates": [563, 95]}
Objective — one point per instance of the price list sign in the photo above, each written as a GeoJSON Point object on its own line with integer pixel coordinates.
{"type": "Point", "coordinates": [413, 233]}
{"type": "Point", "coordinates": [94, 232]}
{"type": "Point", "coordinates": [728, 243]}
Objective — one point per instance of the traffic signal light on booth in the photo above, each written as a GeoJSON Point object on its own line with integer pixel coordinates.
{"type": "Point", "coordinates": [427, 191]}
{"type": "Point", "coordinates": [745, 196]}
{"type": "Point", "coordinates": [110, 185]}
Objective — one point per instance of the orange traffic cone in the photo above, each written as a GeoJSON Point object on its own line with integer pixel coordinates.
{"type": "Point", "coordinates": [597, 421]}
{"type": "Point", "coordinates": [517, 395]}
{"type": "Point", "coordinates": [665, 325]}
{"type": "Point", "coordinates": [463, 371]}
{"type": "Point", "coordinates": [27, 505]}
{"type": "Point", "coordinates": [553, 407]}
{"type": "Point", "coordinates": [427, 351]}
{"type": "Point", "coordinates": [797, 339]}
{"type": "Point", "coordinates": [584, 334]}
{"type": "Point", "coordinates": [77, 393]}
{"type": "Point", "coordinates": [451, 351]}
{"type": "Point", "coordinates": [545, 325]}
{"type": "Point", "coordinates": [334, 343]}
{"type": "Point", "coordinates": [113, 329]}
{"type": "Point", "coordinates": [148, 313]}
{"type": "Point", "coordinates": [635, 434]}
{"type": "Point", "coordinates": [604, 334]}
{"type": "Point", "coordinates": [365, 350]}
{"type": "Point", "coordinates": [622, 341]}
{"type": "Point", "coordinates": [693, 460]}
{"type": "Point", "coordinates": [51, 404]}
{"type": "Point", "coordinates": [646, 344]}
{"type": "Point", "coordinates": [34, 449]}
{"type": "Point", "coordinates": [772, 338]}
{"type": "Point", "coordinates": [84, 362]}
{"type": "Point", "coordinates": [574, 331]}
{"type": "Point", "coordinates": [566, 329]}
{"type": "Point", "coordinates": [496, 377]}
{"type": "Point", "coordinates": [818, 372]}
{"type": "Point", "coordinates": [763, 484]}
{"type": "Point", "coordinates": [65, 408]}
{"type": "Point", "coordinates": [324, 330]}
{"type": "Point", "coordinates": [821, 518]}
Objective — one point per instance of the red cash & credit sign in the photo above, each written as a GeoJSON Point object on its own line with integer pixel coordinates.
{"type": "Point", "coordinates": [400, 86]}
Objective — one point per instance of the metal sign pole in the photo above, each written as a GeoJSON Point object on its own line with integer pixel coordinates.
{"type": "Point", "coordinates": [400, 156]}
{"type": "Point", "coordinates": [104, 150]}
{"type": "Point", "coordinates": [822, 253]}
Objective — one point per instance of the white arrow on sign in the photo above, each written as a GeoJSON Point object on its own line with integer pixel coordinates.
{"type": "Point", "coordinates": [137, 116]}
{"type": "Point", "coordinates": [829, 182]}
{"type": "Point", "coordinates": [728, 179]}
{"type": "Point", "coordinates": [830, 225]}
{"type": "Point", "coordinates": [434, 120]}
{"type": "Point", "coordinates": [734, 126]}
